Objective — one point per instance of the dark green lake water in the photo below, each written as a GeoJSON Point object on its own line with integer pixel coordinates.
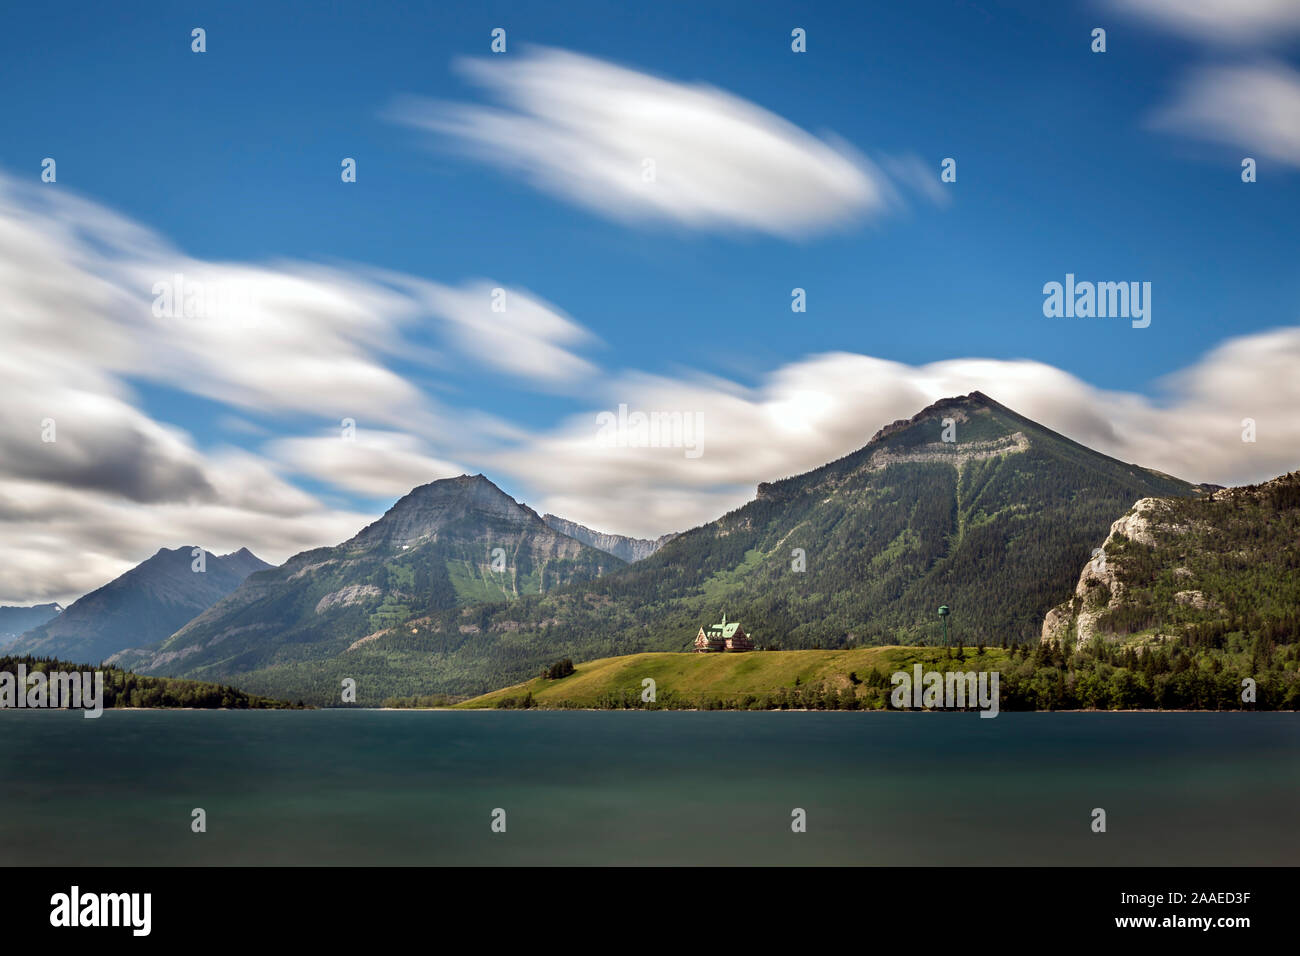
{"type": "Point", "coordinates": [628, 788]}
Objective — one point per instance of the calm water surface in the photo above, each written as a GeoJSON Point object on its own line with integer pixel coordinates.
{"type": "Point", "coordinates": [419, 788]}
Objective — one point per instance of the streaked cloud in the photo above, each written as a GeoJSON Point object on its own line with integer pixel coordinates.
{"type": "Point", "coordinates": [583, 129]}
{"type": "Point", "coordinates": [1255, 107]}
{"type": "Point", "coordinates": [378, 464]}
{"type": "Point", "coordinates": [512, 331]}
{"type": "Point", "coordinates": [1218, 21]}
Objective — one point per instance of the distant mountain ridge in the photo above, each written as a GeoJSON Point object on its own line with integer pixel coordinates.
{"type": "Point", "coordinates": [625, 548]}
{"type": "Point", "coordinates": [443, 545]}
{"type": "Point", "coordinates": [139, 607]}
{"type": "Point", "coordinates": [16, 620]}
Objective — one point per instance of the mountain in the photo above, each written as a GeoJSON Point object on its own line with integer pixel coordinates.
{"type": "Point", "coordinates": [141, 607]}
{"type": "Point", "coordinates": [15, 620]}
{"type": "Point", "coordinates": [449, 543]}
{"type": "Point", "coordinates": [624, 548]}
{"type": "Point", "coordinates": [1206, 570]}
{"type": "Point", "coordinates": [994, 523]}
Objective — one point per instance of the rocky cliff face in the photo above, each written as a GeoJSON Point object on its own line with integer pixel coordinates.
{"type": "Point", "coordinates": [1228, 560]}
{"type": "Point", "coordinates": [1100, 586]}
{"type": "Point", "coordinates": [629, 549]}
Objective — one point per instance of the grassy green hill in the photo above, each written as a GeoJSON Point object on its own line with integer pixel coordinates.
{"type": "Point", "coordinates": [1170, 675]}
{"type": "Point", "coordinates": [751, 681]}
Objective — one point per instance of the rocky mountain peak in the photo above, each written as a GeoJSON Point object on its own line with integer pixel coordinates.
{"type": "Point", "coordinates": [996, 437]}
{"type": "Point", "coordinates": [428, 510]}
{"type": "Point", "coordinates": [958, 403]}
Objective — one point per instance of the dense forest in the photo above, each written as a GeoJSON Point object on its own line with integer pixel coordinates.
{"type": "Point", "coordinates": [125, 689]}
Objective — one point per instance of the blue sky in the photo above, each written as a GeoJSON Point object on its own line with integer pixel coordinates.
{"type": "Point", "coordinates": [1064, 166]}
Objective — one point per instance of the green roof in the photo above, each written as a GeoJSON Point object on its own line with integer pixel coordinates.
{"type": "Point", "coordinates": [724, 630]}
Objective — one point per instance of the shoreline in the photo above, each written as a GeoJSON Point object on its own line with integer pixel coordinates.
{"type": "Point", "coordinates": [646, 710]}
{"type": "Point", "coordinates": [797, 710]}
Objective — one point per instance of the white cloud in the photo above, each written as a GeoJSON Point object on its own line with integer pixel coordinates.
{"type": "Point", "coordinates": [528, 338]}
{"type": "Point", "coordinates": [375, 463]}
{"type": "Point", "coordinates": [1255, 107]}
{"type": "Point", "coordinates": [299, 338]}
{"type": "Point", "coordinates": [309, 340]}
{"type": "Point", "coordinates": [1219, 21]}
{"type": "Point", "coordinates": [582, 129]}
